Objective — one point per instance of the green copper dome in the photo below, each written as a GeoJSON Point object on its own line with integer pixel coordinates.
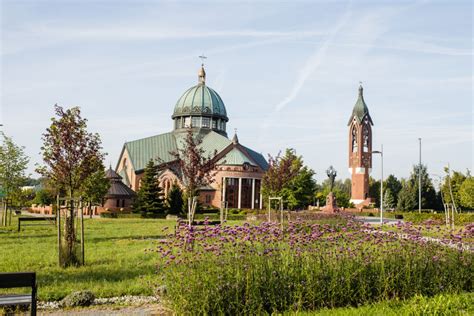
{"type": "Point", "coordinates": [200, 100]}
{"type": "Point", "coordinates": [360, 110]}
{"type": "Point", "coordinates": [200, 107]}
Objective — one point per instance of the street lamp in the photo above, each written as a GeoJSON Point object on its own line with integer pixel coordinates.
{"type": "Point", "coordinates": [381, 183]}
{"type": "Point", "coordinates": [419, 180]}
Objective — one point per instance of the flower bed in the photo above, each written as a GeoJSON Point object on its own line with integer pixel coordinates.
{"type": "Point", "coordinates": [254, 269]}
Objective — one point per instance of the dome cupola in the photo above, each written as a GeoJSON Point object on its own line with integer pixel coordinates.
{"type": "Point", "coordinates": [200, 107]}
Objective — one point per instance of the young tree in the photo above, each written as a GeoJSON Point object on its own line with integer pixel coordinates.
{"type": "Point", "coordinates": [150, 195]}
{"type": "Point", "coordinates": [289, 178]}
{"type": "Point", "coordinates": [13, 164]}
{"type": "Point", "coordinates": [175, 200]}
{"type": "Point", "coordinates": [70, 155]}
{"type": "Point", "coordinates": [451, 186]}
{"type": "Point", "coordinates": [197, 170]}
{"type": "Point", "coordinates": [466, 193]}
{"type": "Point", "coordinates": [95, 187]}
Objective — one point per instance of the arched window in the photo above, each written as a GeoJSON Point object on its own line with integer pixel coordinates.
{"type": "Point", "coordinates": [366, 138]}
{"type": "Point", "coordinates": [354, 139]}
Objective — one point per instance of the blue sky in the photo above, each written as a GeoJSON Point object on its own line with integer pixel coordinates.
{"type": "Point", "coordinates": [288, 73]}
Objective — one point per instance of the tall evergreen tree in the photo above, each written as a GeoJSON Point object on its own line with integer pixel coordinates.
{"type": "Point", "coordinates": [388, 199]}
{"type": "Point", "coordinates": [149, 199]}
{"type": "Point", "coordinates": [175, 201]}
{"type": "Point", "coordinates": [394, 185]}
{"type": "Point", "coordinates": [408, 196]}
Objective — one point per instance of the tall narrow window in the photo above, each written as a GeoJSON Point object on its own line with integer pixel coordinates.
{"type": "Point", "coordinates": [354, 140]}
{"type": "Point", "coordinates": [196, 121]}
{"type": "Point", "coordinates": [365, 139]}
{"type": "Point", "coordinates": [214, 123]}
{"type": "Point", "coordinates": [206, 122]}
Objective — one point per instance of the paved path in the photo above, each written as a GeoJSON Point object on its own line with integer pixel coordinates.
{"type": "Point", "coordinates": [146, 310]}
{"type": "Point", "coordinates": [374, 220]}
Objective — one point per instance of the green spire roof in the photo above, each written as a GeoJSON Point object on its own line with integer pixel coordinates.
{"type": "Point", "coordinates": [360, 109]}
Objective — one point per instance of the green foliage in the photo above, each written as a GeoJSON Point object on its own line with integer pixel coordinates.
{"type": "Point", "coordinates": [408, 195]}
{"type": "Point", "coordinates": [43, 197]}
{"type": "Point", "coordinates": [342, 196]}
{"type": "Point", "coordinates": [292, 273]}
{"type": "Point", "coordinates": [13, 164]}
{"type": "Point", "coordinates": [150, 195]}
{"type": "Point", "coordinates": [452, 183]}
{"type": "Point", "coordinates": [287, 177]}
{"type": "Point", "coordinates": [394, 185]}
{"type": "Point", "coordinates": [374, 191]}
{"type": "Point", "coordinates": [466, 193]}
{"type": "Point", "coordinates": [95, 186]}
{"type": "Point", "coordinates": [175, 201]}
{"type": "Point", "coordinates": [388, 199]}
{"type": "Point", "coordinates": [420, 218]}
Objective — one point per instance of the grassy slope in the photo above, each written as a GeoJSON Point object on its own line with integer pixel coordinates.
{"type": "Point", "coordinates": [116, 261]}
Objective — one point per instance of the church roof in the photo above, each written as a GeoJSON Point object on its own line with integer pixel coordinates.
{"type": "Point", "coordinates": [160, 146]}
{"type": "Point", "coordinates": [236, 157]}
{"type": "Point", "coordinates": [360, 109]}
{"type": "Point", "coordinates": [200, 100]}
{"type": "Point", "coordinates": [117, 187]}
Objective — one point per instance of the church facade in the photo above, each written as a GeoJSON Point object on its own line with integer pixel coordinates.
{"type": "Point", "coordinates": [360, 151]}
{"type": "Point", "coordinates": [237, 180]}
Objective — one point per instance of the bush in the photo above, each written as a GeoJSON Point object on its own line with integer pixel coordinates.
{"type": "Point", "coordinates": [417, 218]}
{"type": "Point", "coordinates": [81, 298]}
{"type": "Point", "coordinates": [108, 215]}
{"type": "Point", "coordinates": [261, 269]}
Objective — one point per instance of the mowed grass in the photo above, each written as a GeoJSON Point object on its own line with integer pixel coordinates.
{"type": "Point", "coordinates": [117, 262]}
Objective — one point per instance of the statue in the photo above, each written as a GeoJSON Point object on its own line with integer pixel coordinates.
{"type": "Point", "coordinates": [332, 173]}
{"type": "Point", "coordinates": [331, 205]}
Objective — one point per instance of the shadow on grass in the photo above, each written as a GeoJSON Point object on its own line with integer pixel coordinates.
{"type": "Point", "coordinates": [96, 274]}
{"type": "Point", "coordinates": [131, 237]}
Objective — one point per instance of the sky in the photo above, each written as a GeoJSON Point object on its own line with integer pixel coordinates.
{"type": "Point", "coordinates": [288, 73]}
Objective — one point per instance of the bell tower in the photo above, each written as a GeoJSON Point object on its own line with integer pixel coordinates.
{"type": "Point", "coordinates": [360, 150]}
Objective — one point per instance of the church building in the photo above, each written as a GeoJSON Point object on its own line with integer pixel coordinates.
{"type": "Point", "coordinates": [360, 151]}
{"type": "Point", "coordinates": [237, 181]}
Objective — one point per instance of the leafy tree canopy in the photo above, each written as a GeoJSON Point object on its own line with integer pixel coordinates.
{"type": "Point", "coordinates": [466, 193]}
{"type": "Point", "coordinates": [13, 164]}
{"type": "Point", "coordinates": [289, 178]}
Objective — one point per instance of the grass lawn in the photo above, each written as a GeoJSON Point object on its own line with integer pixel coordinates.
{"type": "Point", "coordinates": [115, 254]}
{"type": "Point", "coordinates": [444, 304]}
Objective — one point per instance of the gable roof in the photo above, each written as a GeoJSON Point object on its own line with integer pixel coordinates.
{"type": "Point", "coordinates": [235, 157]}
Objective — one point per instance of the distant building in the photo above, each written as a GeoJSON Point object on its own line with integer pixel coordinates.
{"type": "Point", "coordinates": [119, 196]}
{"type": "Point", "coordinates": [360, 151]}
{"type": "Point", "coordinates": [239, 171]}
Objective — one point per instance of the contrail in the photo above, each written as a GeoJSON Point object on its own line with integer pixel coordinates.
{"type": "Point", "coordinates": [312, 63]}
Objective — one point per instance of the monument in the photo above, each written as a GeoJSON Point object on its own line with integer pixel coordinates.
{"type": "Point", "coordinates": [331, 204]}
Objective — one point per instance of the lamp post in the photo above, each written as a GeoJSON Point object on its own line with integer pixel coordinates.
{"type": "Point", "coordinates": [419, 179]}
{"type": "Point", "coordinates": [381, 182]}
